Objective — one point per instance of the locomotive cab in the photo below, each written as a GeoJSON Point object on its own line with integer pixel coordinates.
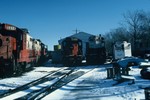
{"type": "Point", "coordinates": [10, 45]}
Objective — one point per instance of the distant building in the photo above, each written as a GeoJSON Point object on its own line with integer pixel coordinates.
{"type": "Point", "coordinates": [82, 36]}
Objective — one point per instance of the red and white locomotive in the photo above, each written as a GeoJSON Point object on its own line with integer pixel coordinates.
{"type": "Point", "coordinates": [18, 50]}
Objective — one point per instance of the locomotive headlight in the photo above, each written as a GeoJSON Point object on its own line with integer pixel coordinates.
{"type": "Point", "coordinates": [1, 57]}
{"type": "Point", "coordinates": [1, 42]}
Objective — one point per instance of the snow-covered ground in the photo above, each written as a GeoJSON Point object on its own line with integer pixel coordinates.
{"type": "Point", "coordinates": [13, 82]}
{"type": "Point", "coordinates": [95, 86]}
{"type": "Point", "coordinates": [91, 86]}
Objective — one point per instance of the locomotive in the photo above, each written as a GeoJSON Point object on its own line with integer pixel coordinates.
{"type": "Point", "coordinates": [95, 50]}
{"type": "Point", "coordinates": [71, 51]}
{"type": "Point", "coordinates": [18, 50]}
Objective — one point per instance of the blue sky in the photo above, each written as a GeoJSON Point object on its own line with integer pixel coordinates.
{"type": "Point", "coordinates": [50, 20]}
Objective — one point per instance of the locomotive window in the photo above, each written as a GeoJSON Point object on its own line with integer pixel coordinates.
{"type": "Point", "coordinates": [0, 42]}
{"type": "Point", "coordinates": [7, 39]}
{"type": "Point", "coordinates": [28, 44]}
{"type": "Point", "coordinates": [21, 37]}
{"type": "Point", "coordinates": [64, 43]}
{"type": "Point", "coordinates": [0, 27]}
{"type": "Point", "coordinates": [79, 43]}
{"type": "Point", "coordinates": [122, 47]}
{"type": "Point", "coordinates": [31, 39]}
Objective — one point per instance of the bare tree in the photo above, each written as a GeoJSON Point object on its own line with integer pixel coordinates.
{"type": "Point", "coordinates": [134, 23]}
{"type": "Point", "coordinates": [119, 34]}
{"type": "Point", "coordinates": [145, 29]}
{"type": "Point", "coordinates": [137, 31]}
{"type": "Point", "coordinates": [139, 28]}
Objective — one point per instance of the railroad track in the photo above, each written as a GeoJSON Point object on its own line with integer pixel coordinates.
{"type": "Point", "coordinates": [33, 83]}
{"type": "Point", "coordinates": [45, 86]}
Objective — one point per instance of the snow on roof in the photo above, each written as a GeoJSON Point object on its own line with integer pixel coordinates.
{"type": "Point", "coordinates": [145, 64]}
{"type": "Point", "coordinates": [124, 62]}
{"type": "Point", "coordinates": [81, 35]}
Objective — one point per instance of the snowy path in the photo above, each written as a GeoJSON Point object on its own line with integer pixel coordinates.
{"type": "Point", "coordinates": [95, 86]}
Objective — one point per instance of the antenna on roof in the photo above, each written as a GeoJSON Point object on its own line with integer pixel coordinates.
{"type": "Point", "coordinates": [77, 31]}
